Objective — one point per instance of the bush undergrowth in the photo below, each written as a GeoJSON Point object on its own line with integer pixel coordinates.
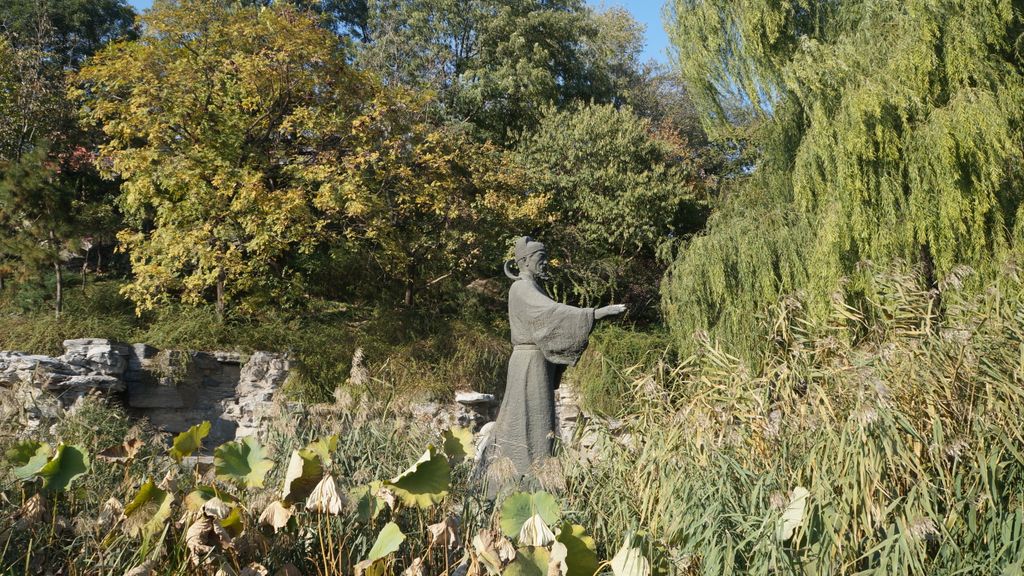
{"type": "Point", "coordinates": [413, 354]}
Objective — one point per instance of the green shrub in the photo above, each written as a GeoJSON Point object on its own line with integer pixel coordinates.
{"type": "Point", "coordinates": [614, 360]}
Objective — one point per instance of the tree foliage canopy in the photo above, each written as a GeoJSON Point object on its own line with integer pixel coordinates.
{"type": "Point", "coordinates": [889, 130]}
{"type": "Point", "coordinates": [246, 140]}
{"type": "Point", "coordinates": [221, 120]}
{"type": "Point", "coordinates": [618, 191]}
{"type": "Point", "coordinates": [72, 29]}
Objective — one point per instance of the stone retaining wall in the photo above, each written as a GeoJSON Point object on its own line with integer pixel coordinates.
{"type": "Point", "coordinates": [173, 389]}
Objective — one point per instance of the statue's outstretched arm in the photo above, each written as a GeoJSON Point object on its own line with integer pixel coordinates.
{"type": "Point", "coordinates": [606, 311]}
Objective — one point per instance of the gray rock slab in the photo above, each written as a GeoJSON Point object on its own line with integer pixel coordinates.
{"type": "Point", "coordinates": [476, 399]}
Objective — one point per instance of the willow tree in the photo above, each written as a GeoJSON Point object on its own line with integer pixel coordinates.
{"type": "Point", "coordinates": [887, 129]}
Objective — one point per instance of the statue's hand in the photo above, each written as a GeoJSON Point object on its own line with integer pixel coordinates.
{"type": "Point", "coordinates": [613, 310]}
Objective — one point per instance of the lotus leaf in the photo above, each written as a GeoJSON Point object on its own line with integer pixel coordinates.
{"type": "Point", "coordinates": [388, 542]}
{"type": "Point", "coordinates": [535, 532]}
{"type": "Point", "coordinates": [324, 497]}
{"type": "Point", "coordinates": [368, 504]}
{"type": "Point", "coordinates": [444, 533]}
{"type": "Point", "coordinates": [323, 448]}
{"type": "Point", "coordinates": [494, 550]}
{"type": "Point", "coordinates": [639, 557]}
{"type": "Point", "coordinates": [276, 515]}
{"type": "Point", "coordinates": [203, 537]}
{"type": "Point", "coordinates": [216, 508]}
{"type": "Point", "coordinates": [189, 441]}
{"type": "Point", "coordinates": [580, 550]}
{"type": "Point", "coordinates": [68, 463]}
{"type": "Point", "coordinates": [123, 452]}
{"type": "Point", "coordinates": [28, 457]}
{"type": "Point", "coordinates": [459, 445]}
{"type": "Point", "coordinates": [303, 474]}
{"type": "Point", "coordinates": [519, 507]}
{"type": "Point", "coordinates": [529, 561]}
{"type": "Point", "coordinates": [793, 516]}
{"type": "Point", "coordinates": [244, 462]}
{"type": "Point", "coordinates": [146, 514]}
{"type": "Point", "coordinates": [371, 568]}
{"type": "Point", "coordinates": [232, 523]}
{"type": "Point", "coordinates": [425, 483]}
{"type": "Point", "coordinates": [202, 494]}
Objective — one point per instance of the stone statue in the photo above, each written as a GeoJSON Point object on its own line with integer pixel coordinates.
{"type": "Point", "coordinates": [546, 336]}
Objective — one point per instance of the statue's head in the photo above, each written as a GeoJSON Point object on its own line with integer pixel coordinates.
{"type": "Point", "coordinates": [531, 258]}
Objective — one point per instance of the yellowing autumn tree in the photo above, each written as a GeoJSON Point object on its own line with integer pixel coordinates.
{"type": "Point", "coordinates": [217, 119]}
{"type": "Point", "coordinates": [428, 202]}
{"type": "Point", "coordinates": [245, 141]}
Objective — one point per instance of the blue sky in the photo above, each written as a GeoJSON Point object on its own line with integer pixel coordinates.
{"type": "Point", "coordinates": [646, 11]}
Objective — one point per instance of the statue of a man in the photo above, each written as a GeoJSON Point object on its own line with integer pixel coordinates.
{"type": "Point", "coordinates": [546, 337]}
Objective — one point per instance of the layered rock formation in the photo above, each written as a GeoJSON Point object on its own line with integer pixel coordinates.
{"type": "Point", "coordinates": [174, 389]}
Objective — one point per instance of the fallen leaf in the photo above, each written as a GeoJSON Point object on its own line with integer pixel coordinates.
{"type": "Point", "coordinates": [122, 453]}
{"type": "Point", "coordinates": [288, 570]}
{"type": "Point", "coordinates": [30, 513]}
{"type": "Point", "coordinates": [415, 569]}
{"type": "Point", "coordinates": [444, 533]}
{"type": "Point", "coordinates": [276, 515]}
{"type": "Point", "coordinates": [254, 569]}
{"type": "Point", "coordinates": [110, 512]}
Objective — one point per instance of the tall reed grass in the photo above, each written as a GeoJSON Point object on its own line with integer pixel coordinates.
{"type": "Point", "coordinates": [901, 415]}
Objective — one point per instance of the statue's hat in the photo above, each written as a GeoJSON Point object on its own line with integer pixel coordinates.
{"type": "Point", "coordinates": [526, 246]}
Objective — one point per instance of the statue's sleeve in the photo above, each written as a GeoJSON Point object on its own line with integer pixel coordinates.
{"type": "Point", "coordinates": [559, 330]}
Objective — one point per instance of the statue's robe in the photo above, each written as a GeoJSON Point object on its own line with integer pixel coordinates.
{"type": "Point", "coordinates": [546, 337]}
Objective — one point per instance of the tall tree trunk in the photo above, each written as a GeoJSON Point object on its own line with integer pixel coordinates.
{"type": "Point", "coordinates": [85, 269]}
{"type": "Point", "coordinates": [60, 287]}
{"type": "Point", "coordinates": [410, 294]}
{"type": "Point", "coordinates": [410, 285]}
{"type": "Point", "coordinates": [220, 294]}
{"type": "Point", "coordinates": [930, 282]}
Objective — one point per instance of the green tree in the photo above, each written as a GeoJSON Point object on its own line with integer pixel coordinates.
{"type": "Point", "coordinates": [422, 44]}
{"type": "Point", "coordinates": [73, 29]}
{"type": "Point", "coordinates": [31, 98]}
{"type": "Point", "coordinates": [427, 203]}
{"type": "Point", "coordinates": [887, 130]}
{"type": "Point", "coordinates": [40, 43]}
{"type": "Point", "coordinates": [36, 219]}
{"type": "Point", "coordinates": [497, 63]}
{"type": "Point", "coordinates": [617, 192]}
{"type": "Point", "coordinates": [529, 53]}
